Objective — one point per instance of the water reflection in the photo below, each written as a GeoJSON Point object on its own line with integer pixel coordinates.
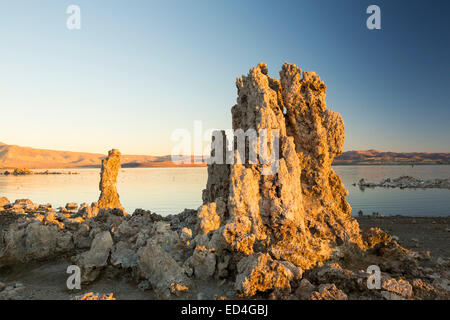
{"type": "Point", "coordinates": [170, 190]}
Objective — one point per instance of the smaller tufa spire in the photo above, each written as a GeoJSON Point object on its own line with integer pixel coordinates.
{"type": "Point", "coordinates": [109, 198]}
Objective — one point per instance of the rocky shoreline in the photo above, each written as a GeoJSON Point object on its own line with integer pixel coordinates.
{"type": "Point", "coordinates": [264, 234]}
{"type": "Point", "coordinates": [405, 182]}
{"type": "Point", "coordinates": [25, 172]}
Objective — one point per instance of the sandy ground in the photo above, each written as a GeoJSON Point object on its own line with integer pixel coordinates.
{"type": "Point", "coordinates": [48, 280]}
{"type": "Point", "coordinates": [415, 233]}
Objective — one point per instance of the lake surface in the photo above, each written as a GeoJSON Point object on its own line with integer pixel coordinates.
{"type": "Point", "coordinates": [170, 190]}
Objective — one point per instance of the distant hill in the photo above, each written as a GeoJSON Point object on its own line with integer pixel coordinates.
{"type": "Point", "coordinates": [383, 157]}
{"type": "Point", "coordinates": [12, 156]}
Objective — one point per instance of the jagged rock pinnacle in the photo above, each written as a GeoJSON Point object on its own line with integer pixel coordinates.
{"type": "Point", "coordinates": [109, 198]}
{"type": "Point", "coordinates": [295, 216]}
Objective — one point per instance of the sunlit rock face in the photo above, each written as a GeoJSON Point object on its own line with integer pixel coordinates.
{"type": "Point", "coordinates": [299, 212]}
{"type": "Point", "coordinates": [109, 198]}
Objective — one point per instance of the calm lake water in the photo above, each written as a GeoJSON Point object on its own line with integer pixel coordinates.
{"type": "Point", "coordinates": [170, 190]}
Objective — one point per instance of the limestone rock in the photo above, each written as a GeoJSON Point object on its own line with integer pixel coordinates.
{"type": "Point", "coordinates": [203, 263]}
{"type": "Point", "coordinates": [23, 202]}
{"type": "Point", "coordinates": [91, 262]}
{"type": "Point", "coordinates": [123, 255]}
{"type": "Point", "coordinates": [374, 236]}
{"type": "Point", "coordinates": [400, 287]}
{"type": "Point", "coordinates": [329, 292]}
{"type": "Point", "coordinates": [160, 269]}
{"type": "Point", "coordinates": [345, 279]}
{"type": "Point", "coordinates": [3, 201]}
{"type": "Point", "coordinates": [13, 292]}
{"type": "Point", "coordinates": [186, 234]}
{"type": "Point", "coordinates": [390, 295]}
{"type": "Point", "coordinates": [40, 240]}
{"type": "Point", "coordinates": [89, 211]}
{"type": "Point", "coordinates": [297, 272]}
{"type": "Point", "coordinates": [423, 290]}
{"type": "Point", "coordinates": [18, 209]}
{"type": "Point", "coordinates": [71, 206]}
{"type": "Point", "coordinates": [109, 198]}
{"type": "Point", "coordinates": [95, 296]}
{"type": "Point", "coordinates": [441, 283]}
{"type": "Point", "coordinates": [32, 240]}
{"type": "Point", "coordinates": [396, 259]}
{"type": "Point", "coordinates": [209, 220]}
{"type": "Point", "coordinates": [168, 240]}
{"type": "Point", "coordinates": [81, 237]}
{"type": "Point", "coordinates": [305, 289]}
{"type": "Point", "coordinates": [259, 273]}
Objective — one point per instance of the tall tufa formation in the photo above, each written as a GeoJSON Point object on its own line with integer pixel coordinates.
{"type": "Point", "coordinates": [265, 228]}
{"type": "Point", "coordinates": [109, 198]}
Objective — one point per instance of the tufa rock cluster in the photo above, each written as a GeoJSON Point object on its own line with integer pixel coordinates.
{"type": "Point", "coordinates": [295, 216]}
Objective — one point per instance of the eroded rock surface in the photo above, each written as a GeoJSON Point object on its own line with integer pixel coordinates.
{"type": "Point", "coordinates": [259, 273]}
{"type": "Point", "coordinates": [91, 262]}
{"type": "Point", "coordinates": [162, 271]}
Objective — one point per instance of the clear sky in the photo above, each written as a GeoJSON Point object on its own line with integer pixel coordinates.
{"type": "Point", "coordinates": [138, 70]}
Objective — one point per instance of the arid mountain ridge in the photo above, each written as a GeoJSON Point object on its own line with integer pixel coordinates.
{"type": "Point", "coordinates": [372, 156]}
{"type": "Point", "coordinates": [13, 156]}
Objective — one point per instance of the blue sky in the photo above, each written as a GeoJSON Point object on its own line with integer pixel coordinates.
{"type": "Point", "coordinates": [138, 70]}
